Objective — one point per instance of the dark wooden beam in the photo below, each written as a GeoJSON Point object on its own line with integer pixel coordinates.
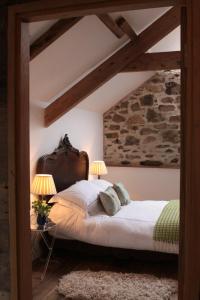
{"type": "Point", "coordinates": [126, 28]}
{"type": "Point", "coordinates": [111, 24]}
{"type": "Point", "coordinates": [155, 62]}
{"type": "Point", "coordinates": [52, 34]}
{"type": "Point", "coordinates": [113, 65]}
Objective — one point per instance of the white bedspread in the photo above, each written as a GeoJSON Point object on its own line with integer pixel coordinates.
{"type": "Point", "coordinates": [132, 227]}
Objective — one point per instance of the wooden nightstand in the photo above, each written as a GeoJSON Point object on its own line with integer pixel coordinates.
{"type": "Point", "coordinates": [41, 231]}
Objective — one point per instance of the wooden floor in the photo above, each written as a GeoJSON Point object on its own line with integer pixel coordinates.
{"type": "Point", "coordinates": [63, 263]}
{"type": "Point", "coordinates": [59, 265]}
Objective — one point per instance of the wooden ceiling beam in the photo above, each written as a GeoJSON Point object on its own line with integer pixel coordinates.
{"type": "Point", "coordinates": [52, 34]}
{"type": "Point", "coordinates": [126, 28]}
{"type": "Point", "coordinates": [113, 65]}
{"type": "Point", "coordinates": [45, 10]}
{"type": "Point", "coordinates": [155, 62]}
{"type": "Point", "coordinates": [111, 25]}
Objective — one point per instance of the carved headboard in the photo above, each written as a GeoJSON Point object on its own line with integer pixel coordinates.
{"type": "Point", "coordinates": [66, 164]}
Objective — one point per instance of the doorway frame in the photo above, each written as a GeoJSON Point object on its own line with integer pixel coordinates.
{"type": "Point", "coordinates": [18, 105]}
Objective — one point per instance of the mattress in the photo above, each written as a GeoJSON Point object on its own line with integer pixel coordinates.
{"type": "Point", "coordinates": [131, 228]}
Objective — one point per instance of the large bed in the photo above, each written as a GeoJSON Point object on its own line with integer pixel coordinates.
{"type": "Point", "coordinates": [132, 227]}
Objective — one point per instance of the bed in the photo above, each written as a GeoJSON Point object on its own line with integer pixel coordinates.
{"type": "Point", "coordinates": [131, 228]}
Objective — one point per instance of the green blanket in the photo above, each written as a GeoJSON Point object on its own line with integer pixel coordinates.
{"type": "Point", "coordinates": [167, 226]}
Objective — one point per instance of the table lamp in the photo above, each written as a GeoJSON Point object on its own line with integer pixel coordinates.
{"type": "Point", "coordinates": [43, 184]}
{"type": "Point", "coordinates": [98, 168]}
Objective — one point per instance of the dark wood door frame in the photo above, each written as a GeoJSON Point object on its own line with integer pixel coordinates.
{"type": "Point", "coordinates": [18, 102]}
{"type": "Point", "coordinates": [189, 274]}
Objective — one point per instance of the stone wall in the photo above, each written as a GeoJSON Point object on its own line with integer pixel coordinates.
{"type": "Point", "coordinates": [143, 129]}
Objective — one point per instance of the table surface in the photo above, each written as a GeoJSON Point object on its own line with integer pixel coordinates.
{"type": "Point", "coordinates": [47, 227]}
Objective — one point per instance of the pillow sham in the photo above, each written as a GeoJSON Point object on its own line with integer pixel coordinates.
{"type": "Point", "coordinates": [73, 210]}
{"type": "Point", "coordinates": [110, 201]}
{"type": "Point", "coordinates": [103, 184]}
{"type": "Point", "coordinates": [83, 194]}
{"type": "Point", "coordinates": [122, 193]}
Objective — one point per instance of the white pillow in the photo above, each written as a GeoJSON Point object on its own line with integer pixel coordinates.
{"type": "Point", "coordinates": [83, 194]}
{"type": "Point", "coordinates": [68, 204]}
{"type": "Point", "coordinates": [103, 184]}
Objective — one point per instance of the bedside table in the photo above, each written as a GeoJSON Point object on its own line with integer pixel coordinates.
{"type": "Point", "coordinates": [41, 230]}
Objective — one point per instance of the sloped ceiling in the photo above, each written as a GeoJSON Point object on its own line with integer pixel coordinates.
{"type": "Point", "coordinates": [80, 50]}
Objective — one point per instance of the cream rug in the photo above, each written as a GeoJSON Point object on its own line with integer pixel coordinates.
{"type": "Point", "coordinates": [103, 285]}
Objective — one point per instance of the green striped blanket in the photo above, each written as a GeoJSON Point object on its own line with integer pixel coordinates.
{"type": "Point", "coordinates": [167, 226]}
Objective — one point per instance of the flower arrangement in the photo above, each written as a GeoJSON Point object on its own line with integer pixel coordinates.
{"type": "Point", "coordinates": [42, 210]}
{"type": "Point", "coordinates": [41, 207]}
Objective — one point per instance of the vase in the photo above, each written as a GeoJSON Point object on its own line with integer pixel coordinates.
{"type": "Point", "coordinates": [41, 220]}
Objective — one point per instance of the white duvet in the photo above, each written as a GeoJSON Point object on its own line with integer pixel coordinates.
{"type": "Point", "coordinates": [132, 227]}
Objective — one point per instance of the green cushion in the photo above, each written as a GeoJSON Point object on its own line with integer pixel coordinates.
{"type": "Point", "coordinates": [122, 193]}
{"type": "Point", "coordinates": [110, 201]}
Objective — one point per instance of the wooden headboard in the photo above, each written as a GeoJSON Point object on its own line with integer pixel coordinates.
{"type": "Point", "coordinates": [66, 164]}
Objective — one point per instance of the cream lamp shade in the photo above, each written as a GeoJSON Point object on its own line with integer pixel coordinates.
{"type": "Point", "coordinates": [43, 184]}
{"type": "Point", "coordinates": [98, 168]}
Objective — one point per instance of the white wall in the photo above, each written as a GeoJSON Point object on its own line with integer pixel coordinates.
{"type": "Point", "coordinates": [147, 183]}
{"type": "Point", "coordinates": [62, 64]}
{"type": "Point", "coordinates": [85, 131]}
{"type": "Point", "coordinates": [84, 128]}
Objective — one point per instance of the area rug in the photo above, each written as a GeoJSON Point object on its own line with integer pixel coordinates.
{"type": "Point", "coordinates": [103, 285]}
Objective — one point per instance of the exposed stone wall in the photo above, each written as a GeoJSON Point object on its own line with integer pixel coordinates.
{"type": "Point", "coordinates": [143, 129]}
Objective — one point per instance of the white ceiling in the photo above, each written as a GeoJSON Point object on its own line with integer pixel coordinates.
{"type": "Point", "coordinates": [80, 50]}
{"type": "Point", "coordinates": [36, 29]}
{"type": "Point", "coordinates": [114, 90]}
{"type": "Point", "coordinates": [141, 19]}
